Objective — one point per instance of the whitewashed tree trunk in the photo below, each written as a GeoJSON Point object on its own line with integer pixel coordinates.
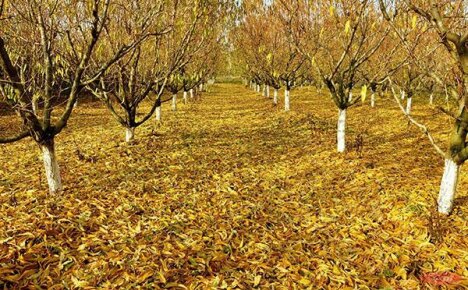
{"type": "Point", "coordinates": [174, 102]}
{"type": "Point", "coordinates": [373, 100]}
{"type": "Point", "coordinates": [191, 94]}
{"type": "Point", "coordinates": [448, 186]}
{"type": "Point", "coordinates": [129, 134]}
{"type": "Point", "coordinates": [350, 97]}
{"type": "Point", "coordinates": [52, 169]}
{"type": "Point", "coordinates": [275, 97]}
{"type": "Point", "coordinates": [258, 88]}
{"type": "Point", "coordinates": [268, 91]}
{"type": "Point", "coordinates": [403, 95]}
{"type": "Point", "coordinates": [201, 87]}
{"type": "Point", "coordinates": [158, 114]}
{"type": "Point", "coordinates": [341, 132]}
{"type": "Point", "coordinates": [264, 90]}
{"type": "Point", "coordinates": [185, 97]}
{"type": "Point", "coordinates": [409, 101]}
{"type": "Point", "coordinates": [431, 99]}
{"type": "Point", "coordinates": [287, 106]}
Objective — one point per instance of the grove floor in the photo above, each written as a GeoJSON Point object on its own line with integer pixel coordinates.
{"type": "Point", "coordinates": [230, 192]}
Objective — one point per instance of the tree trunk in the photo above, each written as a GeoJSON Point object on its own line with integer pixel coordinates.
{"type": "Point", "coordinates": [51, 167]}
{"type": "Point", "coordinates": [448, 186]}
{"type": "Point", "coordinates": [174, 102]}
{"type": "Point", "coordinates": [268, 91]}
{"type": "Point", "coordinates": [158, 113]}
{"type": "Point", "coordinates": [409, 101]}
{"type": "Point", "coordinates": [350, 97]}
{"type": "Point", "coordinates": [287, 106]}
{"type": "Point", "coordinates": [431, 99]}
{"type": "Point", "coordinates": [275, 97]}
{"type": "Point", "coordinates": [185, 97]}
{"type": "Point", "coordinates": [129, 134]}
{"type": "Point", "coordinates": [258, 88]}
{"type": "Point", "coordinates": [341, 132]}
{"type": "Point", "coordinates": [402, 95]}
{"type": "Point", "coordinates": [191, 94]}
{"type": "Point", "coordinates": [373, 100]}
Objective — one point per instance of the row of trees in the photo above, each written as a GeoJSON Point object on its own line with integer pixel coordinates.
{"type": "Point", "coordinates": [401, 47]}
{"type": "Point", "coordinates": [125, 53]}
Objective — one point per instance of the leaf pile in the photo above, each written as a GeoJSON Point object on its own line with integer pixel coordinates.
{"type": "Point", "coordinates": [232, 193]}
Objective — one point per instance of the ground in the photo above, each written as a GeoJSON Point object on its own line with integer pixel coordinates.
{"type": "Point", "coordinates": [232, 193]}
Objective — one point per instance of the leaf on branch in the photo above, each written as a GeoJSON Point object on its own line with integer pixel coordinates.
{"type": "Point", "coordinates": [347, 27]}
{"type": "Point", "coordinates": [363, 93]}
{"type": "Point", "coordinates": [414, 21]}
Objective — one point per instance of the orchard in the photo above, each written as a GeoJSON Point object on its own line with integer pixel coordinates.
{"type": "Point", "coordinates": [222, 144]}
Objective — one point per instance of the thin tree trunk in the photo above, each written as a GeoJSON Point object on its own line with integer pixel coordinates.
{"type": "Point", "coordinates": [158, 113]}
{"type": "Point", "coordinates": [409, 102]}
{"type": "Point", "coordinates": [275, 97]}
{"type": "Point", "coordinates": [403, 95]}
{"type": "Point", "coordinates": [174, 102]}
{"type": "Point", "coordinates": [51, 167]}
{"type": "Point", "coordinates": [185, 97]}
{"type": "Point", "coordinates": [287, 105]}
{"type": "Point", "coordinates": [350, 97]}
{"type": "Point", "coordinates": [448, 186]}
{"type": "Point", "coordinates": [431, 99]}
{"type": "Point", "coordinates": [341, 132]}
{"type": "Point", "coordinates": [129, 134]}
{"type": "Point", "coordinates": [268, 91]}
{"type": "Point", "coordinates": [373, 100]}
{"type": "Point", "coordinates": [191, 94]}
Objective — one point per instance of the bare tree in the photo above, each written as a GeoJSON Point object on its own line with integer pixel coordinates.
{"type": "Point", "coordinates": [46, 48]}
{"type": "Point", "coordinates": [449, 20]}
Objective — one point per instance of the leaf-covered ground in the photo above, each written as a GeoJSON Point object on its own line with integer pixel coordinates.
{"type": "Point", "coordinates": [232, 193]}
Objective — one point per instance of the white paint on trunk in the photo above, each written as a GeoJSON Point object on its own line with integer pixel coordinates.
{"type": "Point", "coordinates": [158, 114]}
{"type": "Point", "coordinates": [372, 100]}
{"type": "Point", "coordinates": [201, 87]}
{"type": "Point", "coordinates": [129, 134]}
{"type": "Point", "coordinates": [350, 97]}
{"type": "Point", "coordinates": [258, 88]}
{"type": "Point", "coordinates": [403, 95]}
{"type": "Point", "coordinates": [341, 132]}
{"type": "Point", "coordinates": [409, 101]}
{"type": "Point", "coordinates": [264, 90]}
{"type": "Point", "coordinates": [287, 105]}
{"type": "Point", "coordinates": [275, 97]}
{"type": "Point", "coordinates": [448, 186]}
{"type": "Point", "coordinates": [268, 91]}
{"type": "Point", "coordinates": [185, 97]}
{"type": "Point", "coordinates": [191, 94]}
{"type": "Point", "coordinates": [431, 99]}
{"type": "Point", "coordinates": [51, 168]}
{"type": "Point", "coordinates": [174, 102]}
